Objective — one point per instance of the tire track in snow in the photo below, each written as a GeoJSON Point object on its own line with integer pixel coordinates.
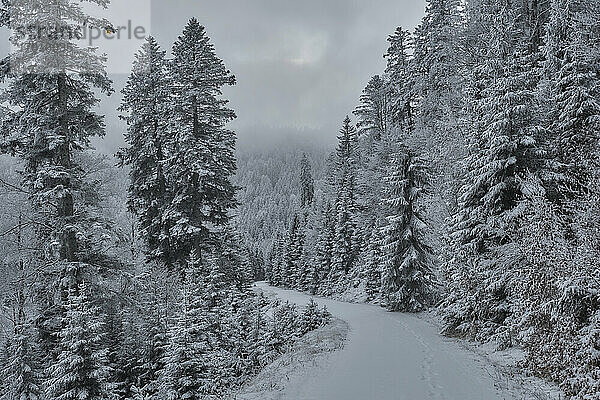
{"type": "Point", "coordinates": [435, 390]}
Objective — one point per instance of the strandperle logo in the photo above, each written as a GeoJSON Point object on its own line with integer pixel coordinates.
{"type": "Point", "coordinates": [48, 36]}
{"type": "Point", "coordinates": [88, 34]}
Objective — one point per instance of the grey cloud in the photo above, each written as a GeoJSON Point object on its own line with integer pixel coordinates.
{"type": "Point", "coordinates": [300, 65]}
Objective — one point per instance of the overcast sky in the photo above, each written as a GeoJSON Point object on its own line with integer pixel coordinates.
{"type": "Point", "coordinates": [300, 65]}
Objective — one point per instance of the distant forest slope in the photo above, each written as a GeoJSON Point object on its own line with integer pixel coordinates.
{"type": "Point", "coordinates": [269, 182]}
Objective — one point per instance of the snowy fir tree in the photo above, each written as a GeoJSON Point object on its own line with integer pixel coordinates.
{"type": "Point", "coordinates": [278, 258]}
{"type": "Point", "coordinates": [345, 246]}
{"type": "Point", "coordinates": [373, 112]}
{"type": "Point", "coordinates": [293, 254]}
{"type": "Point", "coordinates": [408, 280]}
{"type": "Point", "coordinates": [186, 374]}
{"type": "Point", "coordinates": [310, 318]}
{"type": "Point", "coordinates": [435, 64]}
{"type": "Point", "coordinates": [268, 270]}
{"type": "Point", "coordinates": [307, 183]}
{"type": "Point", "coordinates": [324, 252]}
{"type": "Point", "coordinates": [47, 132]}
{"type": "Point", "coordinates": [146, 104]}
{"type": "Point", "coordinates": [504, 140]}
{"type": "Point", "coordinates": [153, 353]}
{"type": "Point", "coordinates": [572, 65]}
{"type": "Point", "coordinates": [51, 90]}
{"type": "Point", "coordinates": [437, 71]}
{"type": "Point", "coordinates": [4, 359]}
{"type": "Point", "coordinates": [201, 160]}
{"type": "Point", "coordinates": [21, 371]}
{"type": "Point", "coordinates": [285, 319]}
{"type": "Point", "coordinates": [239, 335]}
{"type": "Point", "coordinates": [82, 369]}
{"type": "Point", "coordinates": [372, 267]}
{"type": "Point", "coordinates": [399, 79]}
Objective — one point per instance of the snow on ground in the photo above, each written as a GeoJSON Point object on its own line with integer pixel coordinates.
{"type": "Point", "coordinates": [306, 359]}
{"type": "Point", "coordinates": [391, 356]}
{"type": "Point", "coordinates": [503, 365]}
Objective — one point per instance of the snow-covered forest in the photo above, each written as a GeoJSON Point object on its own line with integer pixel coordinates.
{"type": "Point", "coordinates": [116, 290]}
{"type": "Point", "coordinates": [464, 182]}
{"type": "Point", "coordinates": [467, 182]}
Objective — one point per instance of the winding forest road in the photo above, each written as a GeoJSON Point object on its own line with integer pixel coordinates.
{"type": "Point", "coordinates": [393, 356]}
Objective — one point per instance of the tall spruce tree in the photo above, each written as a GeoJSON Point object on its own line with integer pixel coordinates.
{"type": "Point", "coordinates": [269, 263]}
{"type": "Point", "coordinates": [146, 104]}
{"type": "Point", "coordinates": [21, 367]}
{"type": "Point", "coordinates": [437, 70]}
{"type": "Point", "coordinates": [201, 160]}
{"type": "Point", "coordinates": [435, 64]}
{"type": "Point", "coordinates": [345, 243]}
{"type": "Point", "coordinates": [408, 280]}
{"type": "Point", "coordinates": [293, 254]}
{"type": "Point", "coordinates": [51, 86]}
{"type": "Point", "coordinates": [324, 252]}
{"type": "Point", "coordinates": [399, 79]}
{"type": "Point", "coordinates": [503, 155]}
{"type": "Point", "coordinates": [278, 258]}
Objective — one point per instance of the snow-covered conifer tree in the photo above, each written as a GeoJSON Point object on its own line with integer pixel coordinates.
{"type": "Point", "coordinates": [435, 65]}
{"type": "Point", "coordinates": [373, 112]}
{"type": "Point", "coordinates": [503, 154]}
{"type": "Point", "coordinates": [201, 160]}
{"type": "Point", "coordinates": [399, 79]}
{"type": "Point", "coordinates": [52, 117]}
{"type": "Point", "coordinates": [307, 183]}
{"type": "Point", "coordinates": [51, 89]}
{"type": "Point", "coordinates": [269, 263]}
{"type": "Point", "coordinates": [324, 252]}
{"type": "Point", "coordinates": [21, 366]}
{"type": "Point", "coordinates": [408, 280]}
{"type": "Point", "coordinates": [285, 319]}
{"type": "Point", "coordinates": [187, 366]}
{"type": "Point", "coordinates": [146, 104]}
{"type": "Point", "coordinates": [572, 67]}
{"type": "Point", "coordinates": [153, 354]}
{"type": "Point", "coordinates": [278, 259]}
{"type": "Point", "coordinates": [4, 360]}
{"type": "Point", "coordinates": [293, 254]}
{"type": "Point", "coordinates": [372, 267]}
{"type": "Point", "coordinates": [345, 246]}
{"type": "Point", "coordinates": [81, 370]}
{"type": "Point", "coordinates": [310, 318]}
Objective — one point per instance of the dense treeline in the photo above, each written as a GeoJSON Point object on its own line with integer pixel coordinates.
{"type": "Point", "coordinates": [268, 194]}
{"type": "Point", "coordinates": [471, 176]}
{"type": "Point", "coordinates": [100, 301]}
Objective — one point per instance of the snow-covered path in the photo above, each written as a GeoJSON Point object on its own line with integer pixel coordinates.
{"type": "Point", "coordinates": [392, 356]}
